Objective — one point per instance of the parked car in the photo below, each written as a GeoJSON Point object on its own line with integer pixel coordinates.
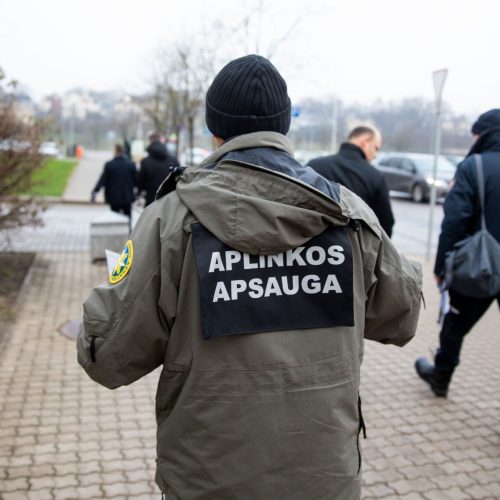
{"type": "Point", "coordinates": [195, 157]}
{"type": "Point", "coordinates": [412, 173]}
{"type": "Point", "coordinates": [455, 159]}
{"type": "Point", "coordinates": [49, 148]}
{"type": "Point", "coordinates": [304, 156]}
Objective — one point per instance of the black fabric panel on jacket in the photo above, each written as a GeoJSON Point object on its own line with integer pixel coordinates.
{"type": "Point", "coordinates": [310, 286]}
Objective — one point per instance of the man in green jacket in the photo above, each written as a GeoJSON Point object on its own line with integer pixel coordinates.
{"type": "Point", "coordinates": [253, 281]}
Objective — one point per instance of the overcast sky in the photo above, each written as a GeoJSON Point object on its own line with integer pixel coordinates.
{"type": "Point", "coordinates": [358, 50]}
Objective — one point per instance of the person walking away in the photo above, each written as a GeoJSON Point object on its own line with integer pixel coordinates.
{"type": "Point", "coordinates": [462, 217]}
{"type": "Point", "coordinates": [118, 179]}
{"type": "Point", "coordinates": [253, 281]}
{"type": "Point", "coordinates": [351, 167]}
{"type": "Point", "coordinates": [155, 168]}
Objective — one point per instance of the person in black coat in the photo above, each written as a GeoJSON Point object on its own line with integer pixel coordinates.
{"type": "Point", "coordinates": [118, 178]}
{"type": "Point", "coordinates": [351, 168]}
{"type": "Point", "coordinates": [155, 168]}
{"type": "Point", "coordinates": [462, 217]}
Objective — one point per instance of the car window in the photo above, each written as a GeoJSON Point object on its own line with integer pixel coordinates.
{"type": "Point", "coordinates": [444, 167]}
{"type": "Point", "coordinates": [395, 162]}
{"type": "Point", "coordinates": [391, 162]}
{"type": "Point", "coordinates": [407, 165]}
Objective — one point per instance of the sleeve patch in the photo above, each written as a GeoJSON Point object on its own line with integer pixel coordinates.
{"type": "Point", "coordinates": [124, 264]}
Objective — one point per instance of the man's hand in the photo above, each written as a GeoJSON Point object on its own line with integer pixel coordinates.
{"type": "Point", "coordinates": [92, 197]}
{"type": "Point", "coordinates": [438, 279]}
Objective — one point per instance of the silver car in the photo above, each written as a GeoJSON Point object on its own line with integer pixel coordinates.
{"type": "Point", "coordinates": [412, 173]}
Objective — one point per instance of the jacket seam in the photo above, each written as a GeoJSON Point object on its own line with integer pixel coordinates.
{"type": "Point", "coordinates": [270, 368]}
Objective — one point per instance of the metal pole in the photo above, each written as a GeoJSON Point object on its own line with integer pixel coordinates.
{"type": "Point", "coordinates": [72, 127]}
{"type": "Point", "coordinates": [437, 148]}
{"type": "Point", "coordinates": [335, 126]}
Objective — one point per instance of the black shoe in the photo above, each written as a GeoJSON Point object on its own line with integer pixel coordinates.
{"type": "Point", "coordinates": [438, 381]}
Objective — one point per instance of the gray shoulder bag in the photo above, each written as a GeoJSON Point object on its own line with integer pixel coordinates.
{"type": "Point", "coordinates": [472, 268]}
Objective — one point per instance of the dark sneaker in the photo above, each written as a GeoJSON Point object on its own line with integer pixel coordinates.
{"type": "Point", "coordinates": [438, 381]}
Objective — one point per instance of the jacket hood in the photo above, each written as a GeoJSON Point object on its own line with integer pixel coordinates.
{"type": "Point", "coordinates": [253, 209]}
{"type": "Point", "coordinates": [487, 141]}
{"type": "Point", "coordinates": [157, 150]}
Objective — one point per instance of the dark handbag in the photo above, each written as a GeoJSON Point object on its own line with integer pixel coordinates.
{"type": "Point", "coordinates": [472, 268]}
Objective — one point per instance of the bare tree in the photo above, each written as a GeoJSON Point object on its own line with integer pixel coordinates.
{"type": "Point", "coordinates": [183, 71]}
{"type": "Point", "coordinates": [181, 76]}
{"type": "Point", "coordinates": [20, 140]}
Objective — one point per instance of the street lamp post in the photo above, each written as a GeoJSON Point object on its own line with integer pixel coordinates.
{"type": "Point", "coordinates": [439, 77]}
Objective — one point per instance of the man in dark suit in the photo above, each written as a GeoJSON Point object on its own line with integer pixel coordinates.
{"type": "Point", "coordinates": [118, 179]}
{"type": "Point", "coordinates": [351, 168]}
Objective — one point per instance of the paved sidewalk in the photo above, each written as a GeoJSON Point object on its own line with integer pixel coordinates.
{"type": "Point", "coordinates": [63, 436]}
{"type": "Point", "coordinates": [85, 177]}
{"type": "Point", "coordinates": [420, 446]}
{"type": "Point", "coordinates": [66, 228]}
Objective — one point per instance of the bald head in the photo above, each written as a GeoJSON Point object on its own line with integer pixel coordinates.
{"type": "Point", "coordinates": [368, 139]}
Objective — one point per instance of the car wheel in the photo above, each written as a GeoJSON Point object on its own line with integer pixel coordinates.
{"type": "Point", "coordinates": [417, 193]}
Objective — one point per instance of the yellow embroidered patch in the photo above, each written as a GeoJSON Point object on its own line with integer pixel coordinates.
{"type": "Point", "coordinates": [124, 263]}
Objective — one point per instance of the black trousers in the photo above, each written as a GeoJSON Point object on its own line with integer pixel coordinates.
{"type": "Point", "coordinates": [122, 209]}
{"type": "Point", "coordinates": [464, 313]}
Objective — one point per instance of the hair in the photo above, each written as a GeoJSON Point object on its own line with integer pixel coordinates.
{"type": "Point", "coordinates": [119, 149]}
{"type": "Point", "coordinates": [155, 136]}
{"type": "Point", "coordinates": [359, 131]}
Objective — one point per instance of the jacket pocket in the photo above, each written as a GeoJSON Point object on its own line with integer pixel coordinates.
{"type": "Point", "coordinates": [361, 427]}
{"type": "Point", "coordinates": [92, 348]}
{"type": "Point", "coordinates": [95, 343]}
{"type": "Point", "coordinates": [90, 345]}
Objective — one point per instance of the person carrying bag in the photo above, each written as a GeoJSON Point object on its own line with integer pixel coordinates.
{"type": "Point", "coordinates": [472, 268]}
{"type": "Point", "coordinates": [468, 255]}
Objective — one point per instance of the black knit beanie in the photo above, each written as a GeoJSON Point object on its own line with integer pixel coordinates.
{"type": "Point", "coordinates": [486, 121]}
{"type": "Point", "coordinates": [247, 95]}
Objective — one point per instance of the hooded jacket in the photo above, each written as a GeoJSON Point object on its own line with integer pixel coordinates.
{"type": "Point", "coordinates": [254, 290]}
{"type": "Point", "coordinates": [155, 169]}
{"type": "Point", "coordinates": [462, 208]}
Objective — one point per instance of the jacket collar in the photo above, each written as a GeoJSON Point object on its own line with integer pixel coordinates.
{"type": "Point", "coordinates": [352, 150]}
{"type": "Point", "coordinates": [253, 140]}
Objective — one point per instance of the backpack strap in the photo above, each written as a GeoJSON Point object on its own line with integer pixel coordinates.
{"type": "Point", "coordinates": [481, 186]}
{"type": "Point", "coordinates": [169, 184]}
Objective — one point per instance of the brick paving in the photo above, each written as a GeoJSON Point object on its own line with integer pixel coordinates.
{"type": "Point", "coordinates": [62, 436]}
{"type": "Point", "coordinates": [66, 228]}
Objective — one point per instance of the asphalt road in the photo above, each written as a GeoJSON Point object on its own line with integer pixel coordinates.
{"type": "Point", "coordinates": [412, 221]}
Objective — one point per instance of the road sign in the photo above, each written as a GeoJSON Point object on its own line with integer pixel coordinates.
{"type": "Point", "coordinates": [439, 77]}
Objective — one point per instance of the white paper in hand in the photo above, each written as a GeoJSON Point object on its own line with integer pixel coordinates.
{"type": "Point", "coordinates": [444, 304]}
{"type": "Point", "coordinates": [111, 260]}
